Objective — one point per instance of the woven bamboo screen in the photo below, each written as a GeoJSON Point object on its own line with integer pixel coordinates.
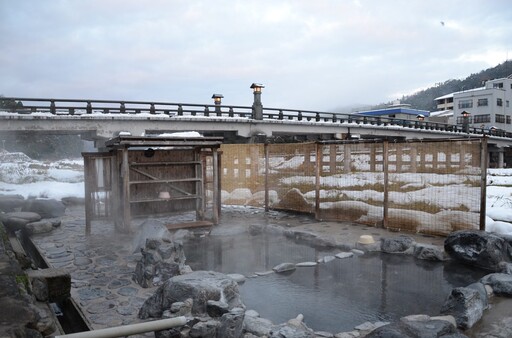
{"type": "Point", "coordinates": [433, 187]}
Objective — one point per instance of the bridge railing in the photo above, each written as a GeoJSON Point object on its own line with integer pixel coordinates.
{"type": "Point", "coordinates": [90, 107]}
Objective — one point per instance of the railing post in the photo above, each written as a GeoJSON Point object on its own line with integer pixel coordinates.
{"type": "Point", "coordinates": [122, 109]}
{"type": "Point", "coordinates": [152, 109]}
{"type": "Point", "coordinates": [180, 110]}
{"type": "Point", "coordinates": [317, 117]}
{"type": "Point", "coordinates": [230, 112]}
{"type": "Point", "coordinates": [206, 111]}
{"type": "Point", "coordinates": [334, 118]}
{"type": "Point", "coordinates": [52, 107]}
{"type": "Point", "coordinates": [71, 111]}
{"type": "Point", "coordinates": [88, 109]}
{"type": "Point", "coordinates": [299, 116]}
{"type": "Point", "coordinates": [280, 115]}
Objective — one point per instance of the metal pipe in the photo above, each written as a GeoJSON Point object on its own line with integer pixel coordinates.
{"type": "Point", "coordinates": [131, 329]}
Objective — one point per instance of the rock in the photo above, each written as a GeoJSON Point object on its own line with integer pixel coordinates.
{"type": "Point", "coordinates": [200, 286]}
{"type": "Point", "coordinates": [505, 268]}
{"type": "Point", "coordinates": [160, 261]}
{"type": "Point", "coordinates": [414, 326]}
{"type": "Point", "coordinates": [342, 255]}
{"type": "Point", "coordinates": [17, 220]}
{"type": "Point", "coordinates": [216, 308]}
{"type": "Point", "coordinates": [326, 259]}
{"type": "Point", "coordinates": [257, 326]}
{"type": "Point", "coordinates": [206, 329]}
{"type": "Point", "coordinates": [239, 278]}
{"type": "Point", "coordinates": [306, 264]}
{"type": "Point", "coordinates": [500, 283]}
{"type": "Point", "coordinates": [39, 227]}
{"type": "Point", "coordinates": [398, 244]}
{"type": "Point", "coordinates": [45, 322]}
{"type": "Point", "coordinates": [181, 308]}
{"type": "Point", "coordinates": [428, 252]}
{"type": "Point", "coordinates": [323, 334]}
{"type": "Point", "coordinates": [231, 324]}
{"type": "Point", "coordinates": [284, 267]}
{"type": "Point", "coordinates": [477, 248]}
{"type": "Point", "coordinates": [47, 208]}
{"type": "Point", "coordinates": [10, 203]}
{"type": "Point", "coordinates": [151, 228]}
{"type": "Point", "coordinates": [480, 287]}
{"type": "Point", "coordinates": [466, 305]}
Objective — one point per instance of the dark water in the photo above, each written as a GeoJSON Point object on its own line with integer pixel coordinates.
{"type": "Point", "coordinates": [335, 296]}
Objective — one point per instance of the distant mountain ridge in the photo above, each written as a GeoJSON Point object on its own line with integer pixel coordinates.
{"type": "Point", "coordinates": [424, 99]}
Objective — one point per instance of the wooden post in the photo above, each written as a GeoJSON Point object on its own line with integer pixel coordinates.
{"type": "Point", "coordinates": [483, 181]}
{"type": "Point", "coordinates": [87, 185]}
{"type": "Point", "coordinates": [267, 164]}
{"type": "Point", "coordinates": [332, 159]}
{"type": "Point", "coordinates": [125, 176]}
{"type": "Point", "coordinates": [462, 155]}
{"type": "Point", "coordinates": [318, 170]}
{"type": "Point", "coordinates": [414, 155]}
{"type": "Point", "coordinates": [347, 159]}
{"type": "Point", "coordinates": [385, 169]}
{"type": "Point", "coordinates": [399, 153]}
{"type": "Point", "coordinates": [215, 188]}
{"type": "Point", "coordinates": [200, 173]}
{"type": "Point", "coordinates": [373, 157]}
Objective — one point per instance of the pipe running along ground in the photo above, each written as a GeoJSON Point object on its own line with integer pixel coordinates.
{"type": "Point", "coordinates": [131, 329]}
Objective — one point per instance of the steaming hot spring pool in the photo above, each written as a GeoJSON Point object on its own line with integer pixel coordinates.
{"type": "Point", "coordinates": [334, 296]}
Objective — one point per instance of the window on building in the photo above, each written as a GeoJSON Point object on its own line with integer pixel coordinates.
{"type": "Point", "coordinates": [499, 102]}
{"type": "Point", "coordinates": [482, 102]}
{"type": "Point", "coordinates": [450, 99]}
{"type": "Point", "coordinates": [508, 119]}
{"type": "Point", "coordinates": [482, 118]}
{"type": "Point", "coordinates": [507, 103]}
{"type": "Point", "coordinates": [500, 118]}
{"type": "Point", "coordinates": [498, 85]}
{"type": "Point", "coordinates": [465, 104]}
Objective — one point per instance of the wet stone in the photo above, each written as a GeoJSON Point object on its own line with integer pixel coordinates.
{"type": "Point", "coordinates": [128, 291]}
{"type": "Point", "coordinates": [62, 264]}
{"type": "Point", "coordinates": [64, 259]}
{"type": "Point", "coordinates": [102, 307]}
{"type": "Point", "coordinates": [81, 261]}
{"type": "Point", "coordinates": [105, 261]}
{"type": "Point", "coordinates": [117, 283]}
{"type": "Point", "coordinates": [126, 310]}
{"type": "Point", "coordinates": [100, 280]}
{"type": "Point", "coordinates": [92, 293]}
{"type": "Point", "coordinates": [102, 319]}
{"type": "Point", "coordinates": [81, 275]}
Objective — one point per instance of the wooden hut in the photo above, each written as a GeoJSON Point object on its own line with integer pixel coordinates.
{"type": "Point", "coordinates": [150, 176]}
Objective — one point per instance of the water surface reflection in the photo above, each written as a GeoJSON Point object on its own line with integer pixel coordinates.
{"type": "Point", "coordinates": [335, 296]}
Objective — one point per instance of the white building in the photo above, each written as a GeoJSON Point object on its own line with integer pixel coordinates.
{"type": "Point", "coordinates": [487, 106]}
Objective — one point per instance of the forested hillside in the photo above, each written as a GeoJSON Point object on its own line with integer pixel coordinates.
{"type": "Point", "coordinates": [425, 99]}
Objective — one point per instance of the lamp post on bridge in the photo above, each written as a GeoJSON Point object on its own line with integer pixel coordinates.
{"type": "Point", "coordinates": [217, 99]}
{"type": "Point", "coordinates": [465, 121]}
{"type": "Point", "coordinates": [257, 107]}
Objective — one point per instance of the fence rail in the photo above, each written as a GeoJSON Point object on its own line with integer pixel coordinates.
{"type": "Point", "coordinates": [71, 107]}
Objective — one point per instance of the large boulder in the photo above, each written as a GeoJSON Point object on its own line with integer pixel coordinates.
{"type": "Point", "coordinates": [17, 220]}
{"type": "Point", "coordinates": [429, 252]}
{"type": "Point", "coordinates": [160, 261]}
{"type": "Point", "coordinates": [500, 283]}
{"type": "Point", "coordinates": [200, 286]}
{"type": "Point", "coordinates": [400, 244]}
{"type": "Point", "coordinates": [466, 305]}
{"type": "Point", "coordinates": [45, 207]}
{"type": "Point", "coordinates": [416, 326]}
{"type": "Point", "coordinates": [10, 203]}
{"type": "Point", "coordinates": [478, 248]}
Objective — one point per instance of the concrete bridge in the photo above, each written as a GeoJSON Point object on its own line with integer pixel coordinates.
{"type": "Point", "coordinates": [100, 120]}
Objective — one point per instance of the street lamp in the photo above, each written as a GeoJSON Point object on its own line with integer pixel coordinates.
{"type": "Point", "coordinates": [217, 100]}
{"type": "Point", "coordinates": [420, 118]}
{"type": "Point", "coordinates": [257, 107]}
{"type": "Point", "coordinates": [465, 121]}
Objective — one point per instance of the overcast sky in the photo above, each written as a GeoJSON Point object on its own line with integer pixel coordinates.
{"type": "Point", "coordinates": [319, 55]}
